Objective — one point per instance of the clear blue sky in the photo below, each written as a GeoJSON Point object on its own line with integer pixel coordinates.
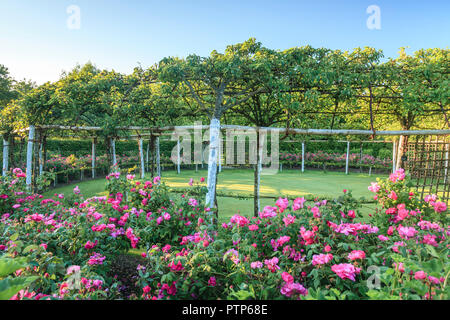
{"type": "Point", "coordinates": [35, 42]}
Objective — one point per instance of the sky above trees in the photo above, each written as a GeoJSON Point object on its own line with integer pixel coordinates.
{"type": "Point", "coordinates": [38, 43]}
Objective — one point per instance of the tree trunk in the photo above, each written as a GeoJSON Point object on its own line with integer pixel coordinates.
{"type": "Point", "coordinates": [402, 149]}
{"type": "Point", "coordinates": [257, 175]}
{"type": "Point", "coordinates": [108, 152]}
{"type": "Point", "coordinates": [214, 131]}
{"type": "Point", "coordinates": [29, 170]}
{"type": "Point", "coordinates": [141, 157]}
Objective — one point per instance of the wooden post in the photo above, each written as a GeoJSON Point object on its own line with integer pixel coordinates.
{"type": "Point", "coordinates": [148, 154]}
{"type": "Point", "coordinates": [178, 156]}
{"type": "Point", "coordinates": [29, 171]}
{"type": "Point", "coordinates": [214, 130]}
{"type": "Point", "coordinates": [303, 156]}
{"type": "Point", "coordinates": [93, 157]}
{"type": "Point", "coordinates": [394, 155]}
{"type": "Point", "coordinates": [360, 157]}
{"type": "Point", "coordinates": [5, 156]}
{"type": "Point", "coordinates": [41, 159]}
{"type": "Point", "coordinates": [158, 159]}
{"type": "Point", "coordinates": [141, 155]}
{"type": "Point", "coordinates": [347, 158]}
{"type": "Point", "coordinates": [281, 167]}
{"type": "Point", "coordinates": [202, 155]}
{"type": "Point", "coordinates": [220, 156]}
{"type": "Point", "coordinates": [446, 163]}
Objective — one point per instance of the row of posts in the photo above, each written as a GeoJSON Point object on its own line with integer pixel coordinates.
{"type": "Point", "coordinates": [30, 153]}
{"type": "Point", "coordinates": [32, 134]}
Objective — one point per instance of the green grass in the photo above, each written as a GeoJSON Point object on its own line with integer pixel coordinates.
{"type": "Point", "coordinates": [290, 183]}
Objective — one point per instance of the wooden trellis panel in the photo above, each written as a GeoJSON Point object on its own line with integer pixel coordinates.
{"type": "Point", "coordinates": [428, 163]}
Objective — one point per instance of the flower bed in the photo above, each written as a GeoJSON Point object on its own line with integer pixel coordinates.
{"type": "Point", "coordinates": [69, 247]}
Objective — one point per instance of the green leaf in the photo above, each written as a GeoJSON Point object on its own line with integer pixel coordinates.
{"type": "Point", "coordinates": [8, 266]}
{"type": "Point", "coordinates": [10, 286]}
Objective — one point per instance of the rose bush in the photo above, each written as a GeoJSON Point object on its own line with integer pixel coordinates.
{"type": "Point", "coordinates": [293, 250]}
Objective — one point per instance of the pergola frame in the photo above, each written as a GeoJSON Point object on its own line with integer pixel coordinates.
{"type": "Point", "coordinates": [156, 132]}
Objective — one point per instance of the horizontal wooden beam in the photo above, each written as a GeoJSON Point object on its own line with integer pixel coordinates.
{"type": "Point", "coordinates": [294, 131]}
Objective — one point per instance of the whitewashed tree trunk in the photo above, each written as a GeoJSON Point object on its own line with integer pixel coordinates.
{"type": "Point", "coordinates": [141, 156]}
{"type": "Point", "coordinates": [113, 146]}
{"type": "Point", "coordinates": [93, 159]}
{"type": "Point", "coordinates": [303, 156]}
{"type": "Point", "coordinates": [258, 168]}
{"type": "Point", "coordinates": [400, 152]}
{"type": "Point", "coordinates": [29, 172]}
{"type": "Point", "coordinates": [158, 158]}
{"type": "Point", "coordinates": [214, 131]}
{"type": "Point", "coordinates": [5, 167]}
{"type": "Point", "coordinates": [347, 158]}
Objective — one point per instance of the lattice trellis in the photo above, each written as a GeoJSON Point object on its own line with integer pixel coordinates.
{"type": "Point", "coordinates": [428, 162]}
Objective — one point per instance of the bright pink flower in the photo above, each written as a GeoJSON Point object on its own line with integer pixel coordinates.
{"type": "Point", "coordinates": [420, 275]}
{"type": "Point", "coordinates": [282, 204]}
{"type": "Point", "coordinates": [212, 281]}
{"type": "Point", "coordinates": [287, 277]}
{"type": "Point", "coordinates": [374, 187]}
{"type": "Point", "coordinates": [356, 254]}
{"type": "Point", "coordinates": [345, 271]}
{"type": "Point", "coordinates": [298, 203]}
{"type": "Point", "coordinates": [320, 259]}
{"type": "Point", "coordinates": [288, 220]}
{"type": "Point", "coordinates": [316, 212]}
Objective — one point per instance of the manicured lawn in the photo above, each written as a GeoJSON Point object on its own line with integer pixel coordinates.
{"type": "Point", "coordinates": [291, 183]}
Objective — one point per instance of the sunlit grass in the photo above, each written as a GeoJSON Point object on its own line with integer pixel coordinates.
{"type": "Point", "coordinates": [290, 183]}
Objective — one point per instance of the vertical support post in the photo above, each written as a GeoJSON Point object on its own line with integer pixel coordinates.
{"type": "Point", "coordinates": [41, 159]}
{"type": "Point", "coordinates": [5, 167]}
{"type": "Point", "coordinates": [303, 156]}
{"type": "Point", "coordinates": [93, 157]}
{"type": "Point", "coordinates": [347, 158]}
{"type": "Point", "coordinates": [214, 129]}
{"type": "Point", "coordinates": [29, 172]}
{"type": "Point", "coordinates": [394, 155]}
{"type": "Point", "coordinates": [446, 163]}
{"type": "Point", "coordinates": [220, 156]}
{"type": "Point", "coordinates": [141, 156]}
{"type": "Point", "coordinates": [202, 155]}
{"type": "Point", "coordinates": [147, 155]}
{"type": "Point", "coordinates": [178, 156]}
{"type": "Point", "coordinates": [158, 158]}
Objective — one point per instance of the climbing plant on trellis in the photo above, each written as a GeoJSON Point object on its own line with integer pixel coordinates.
{"type": "Point", "coordinates": [427, 160]}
